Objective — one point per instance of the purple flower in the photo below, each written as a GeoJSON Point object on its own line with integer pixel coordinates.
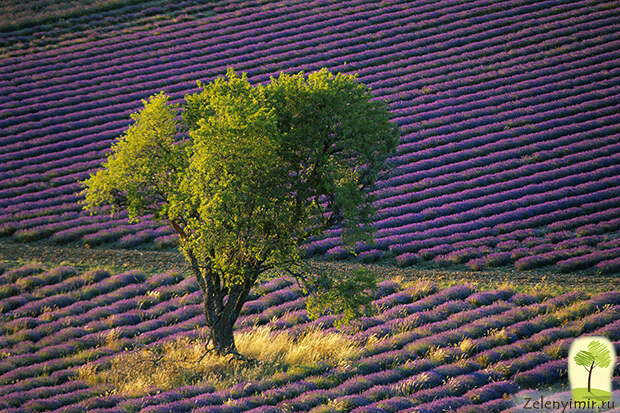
{"type": "Point", "coordinates": [441, 405]}
{"type": "Point", "coordinates": [542, 374]}
{"type": "Point", "coordinates": [488, 297]}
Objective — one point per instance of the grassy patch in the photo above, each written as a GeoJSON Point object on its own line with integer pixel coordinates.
{"type": "Point", "coordinates": [84, 259]}
{"type": "Point", "coordinates": [548, 282]}
{"type": "Point", "coordinates": [181, 362]}
{"type": "Point", "coordinates": [582, 394]}
{"type": "Point", "coordinates": [544, 281]}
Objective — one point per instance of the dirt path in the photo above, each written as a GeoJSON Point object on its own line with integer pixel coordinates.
{"type": "Point", "coordinates": [92, 257]}
{"type": "Point", "coordinates": [158, 261]}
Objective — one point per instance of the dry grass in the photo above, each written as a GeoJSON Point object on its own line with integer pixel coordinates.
{"type": "Point", "coordinates": [467, 346]}
{"type": "Point", "coordinates": [178, 363]}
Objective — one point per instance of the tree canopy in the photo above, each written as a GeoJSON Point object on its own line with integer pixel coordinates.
{"type": "Point", "coordinates": [247, 174]}
{"type": "Point", "coordinates": [597, 355]}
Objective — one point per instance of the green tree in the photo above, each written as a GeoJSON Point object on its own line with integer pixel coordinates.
{"type": "Point", "coordinates": [597, 355]}
{"type": "Point", "coordinates": [247, 174]}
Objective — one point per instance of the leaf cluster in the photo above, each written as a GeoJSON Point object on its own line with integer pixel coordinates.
{"type": "Point", "coordinates": [347, 294]}
{"type": "Point", "coordinates": [247, 174]}
{"type": "Point", "coordinates": [597, 355]}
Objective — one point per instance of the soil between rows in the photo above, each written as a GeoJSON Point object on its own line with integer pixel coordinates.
{"type": "Point", "coordinates": [152, 261]}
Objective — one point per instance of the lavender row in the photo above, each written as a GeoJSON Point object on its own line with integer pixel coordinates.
{"type": "Point", "coordinates": [354, 385]}
{"type": "Point", "coordinates": [559, 146]}
{"type": "Point", "coordinates": [43, 213]}
{"type": "Point", "coordinates": [66, 153]}
{"type": "Point", "coordinates": [124, 233]}
{"type": "Point", "coordinates": [189, 325]}
{"type": "Point", "coordinates": [514, 139]}
{"type": "Point", "coordinates": [399, 243]}
{"type": "Point", "coordinates": [502, 171]}
{"type": "Point", "coordinates": [513, 72]}
{"type": "Point", "coordinates": [603, 203]}
{"type": "Point", "coordinates": [51, 166]}
{"type": "Point", "coordinates": [11, 276]}
{"type": "Point", "coordinates": [484, 256]}
{"type": "Point", "coordinates": [39, 281]}
{"type": "Point", "coordinates": [21, 372]}
{"type": "Point", "coordinates": [36, 207]}
{"type": "Point", "coordinates": [65, 143]}
{"type": "Point", "coordinates": [215, 51]}
{"type": "Point", "coordinates": [133, 105]}
{"type": "Point", "coordinates": [581, 107]}
{"type": "Point", "coordinates": [179, 32]}
{"type": "Point", "coordinates": [163, 293]}
{"type": "Point", "coordinates": [361, 365]}
{"type": "Point", "coordinates": [46, 230]}
{"type": "Point", "coordinates": [83, 22]}
{"type": "Point", "coordinates": [588, 260]}
{"type": "Point", "coordinates": [414, 104]}
{"type": "Point", "coordinates": [542, 214]}
{"type": "Point", "coordinates": [526, 258]}
{"type": "Point", "coordinates": [512, 109]}
{"type": "Point", "coordinates": [452, 388]}
{"type": "Point", "coordinates": [494, 194]}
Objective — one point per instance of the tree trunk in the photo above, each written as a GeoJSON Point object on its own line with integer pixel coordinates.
{"type": "Point", "coordinates": [222, 312]}
{"type": "Point", "coordinates": [221, 305]}
{"type": "Point", "coordinates": [222, 338]}
{"type": "Point", "coordinates": [221, 308]}
{"type": "Point", "coordinates": [590, 377]}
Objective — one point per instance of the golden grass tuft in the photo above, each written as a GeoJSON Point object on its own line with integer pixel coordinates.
{"type": "Point", "coordinates": [438, 355]}
{"type": "Point", "coordinates": [177, 363]}
{"type": "Point", "coordinates": [467, 346]}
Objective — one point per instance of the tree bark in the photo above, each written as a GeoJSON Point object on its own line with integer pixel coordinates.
{"type": "Point", "coordinates": [222, 337]}
{"type": "Point", "coordinates": [220, 320]}
{"type": "Point", "coordinates": [221, 305]}
{"type": "Point", "coordinates": [590, 377]}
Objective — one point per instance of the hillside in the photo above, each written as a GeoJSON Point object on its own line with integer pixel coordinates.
{"type": "Point", "coordinates": [426, 348]}
{"type": "Point", "coordinates": [508, 114]}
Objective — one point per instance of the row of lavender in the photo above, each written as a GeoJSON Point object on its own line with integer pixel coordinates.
{"type": "Point", "coordinates": [424, 348]}
{"type": "Point", "coordinates": [122, 116]}
{"type": "Point", "coordinates": [494, 102]}
{"type": "Point", "coordinates": [41, 30]}
{"type": "Point", "coordinates": [77, 110]}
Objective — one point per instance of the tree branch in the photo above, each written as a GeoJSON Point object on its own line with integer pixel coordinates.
{"type": "Point", "coordinates": [177, 228]}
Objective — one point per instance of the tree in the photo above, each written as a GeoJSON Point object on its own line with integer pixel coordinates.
{"type": "Point", "coordinates": [248, 174]}
{"type": "Point", "coordinates": [597, 355]}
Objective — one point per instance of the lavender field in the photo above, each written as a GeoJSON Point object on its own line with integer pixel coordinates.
{"type": "Point", "coordinates": [426, 349]}
{"type": "Point", "coordinates": [508, 111]}
{"type": "Point", "coordinates": [509, 161]}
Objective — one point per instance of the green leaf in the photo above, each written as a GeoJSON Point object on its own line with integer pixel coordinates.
{"type": "Point", "coordinates": [347, 294]}
{"type": "Point", "coordinates": [584, 358]}
{"type": "Point", "coordinates": [250, 173]}
{"type": "Point", "coordinates": [600, 352]}
{"type": "Point", "coordinates": [141, 173]}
